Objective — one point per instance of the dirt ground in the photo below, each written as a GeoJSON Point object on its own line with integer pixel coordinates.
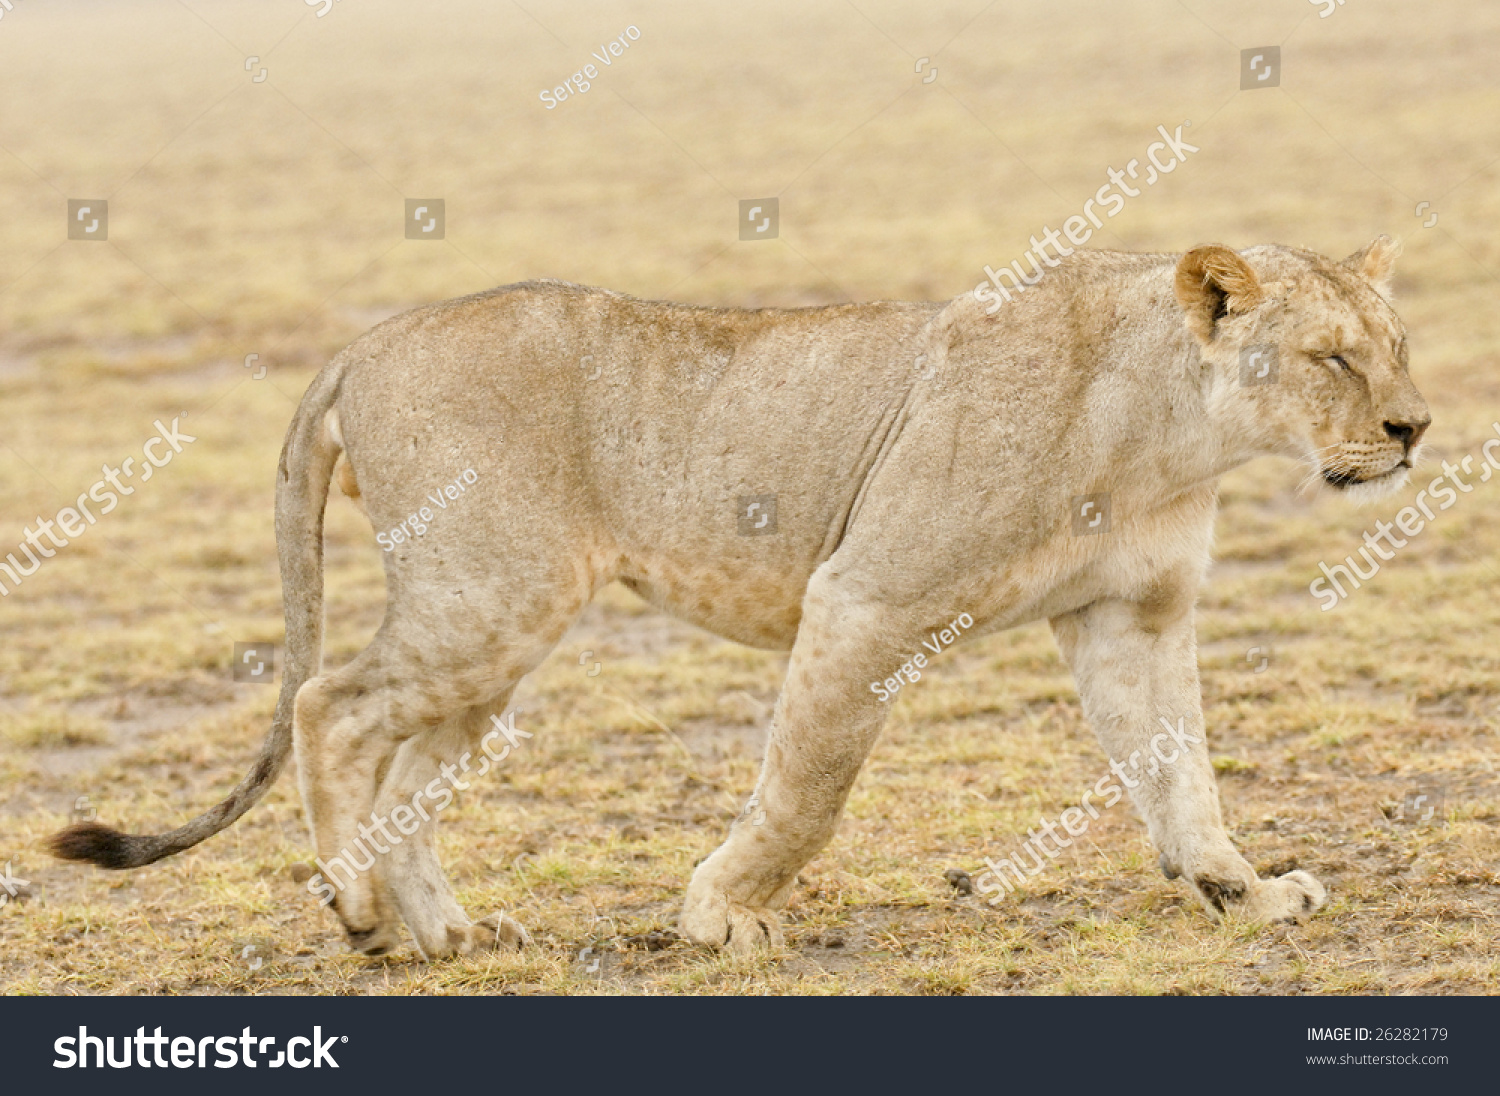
{"type": "Point", "coordinates": [260, 218]}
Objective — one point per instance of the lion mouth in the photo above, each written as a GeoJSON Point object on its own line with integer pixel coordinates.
{"type": "Point", "coordinates": [1342, 479]}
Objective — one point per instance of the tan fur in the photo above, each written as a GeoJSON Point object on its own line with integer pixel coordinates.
{"type": "Point", "coordinates": [924, 459]}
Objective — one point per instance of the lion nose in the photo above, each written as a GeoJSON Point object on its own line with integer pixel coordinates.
{"type": "Point", "coordinates": [1407, 433]}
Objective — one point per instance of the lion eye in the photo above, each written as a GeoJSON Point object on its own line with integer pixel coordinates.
{"type": "Point", "coordinates": [1342, 364]}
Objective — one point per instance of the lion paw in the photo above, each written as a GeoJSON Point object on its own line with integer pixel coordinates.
{"type": "Point", "coordinates": [494, 933]}
{"type": "Point", "coordinates": [740, 930]}
{"type": "Point", "coordinates": [373, 942]}
{"type": "Point", "coordinates": [1290, 897]}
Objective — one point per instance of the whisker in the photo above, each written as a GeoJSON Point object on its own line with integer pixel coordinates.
{"type": "Point", "coordinates": [1309, 483]}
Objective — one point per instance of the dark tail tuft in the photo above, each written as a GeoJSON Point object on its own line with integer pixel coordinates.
{"type": "Point", "coordinates": [95, 844]}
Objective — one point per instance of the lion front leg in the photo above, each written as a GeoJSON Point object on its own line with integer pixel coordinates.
{"type": "Point", "coordinates": [1136, 668]}
{"type": "Point", "coordinates": [825, 722]}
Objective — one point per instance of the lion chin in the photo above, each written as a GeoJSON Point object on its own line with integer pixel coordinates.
{"type": "Point", "coordinates": [1372, 489]}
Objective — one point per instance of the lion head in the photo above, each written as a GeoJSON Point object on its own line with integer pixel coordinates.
{"type": "Point", "coordinates": [1312, 357]}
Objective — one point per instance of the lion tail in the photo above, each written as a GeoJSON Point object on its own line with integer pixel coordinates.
{"type": "Point", "coordinates": [308, 456]}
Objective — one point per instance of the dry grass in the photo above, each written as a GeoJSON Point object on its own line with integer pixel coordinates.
{"type": "Point", "coordinates": [263, 218]}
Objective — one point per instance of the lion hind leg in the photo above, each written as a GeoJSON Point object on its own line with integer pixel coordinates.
{"type": "Point", "coordinates": [343, 739]}
{"type": "Point", "coordinates": [365, 735]}
{"type": "Point", "coordinates": [427, 770]}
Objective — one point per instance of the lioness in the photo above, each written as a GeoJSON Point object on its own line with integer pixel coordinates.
{"type": "Point", "coordinates": [839, 482]}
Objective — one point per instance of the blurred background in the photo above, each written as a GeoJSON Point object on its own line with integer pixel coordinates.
{"type": "Point", "coordinates": [245, 209]}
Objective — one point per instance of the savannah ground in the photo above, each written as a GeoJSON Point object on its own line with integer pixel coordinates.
{"type": "Point", "coordinates": [265, 217]}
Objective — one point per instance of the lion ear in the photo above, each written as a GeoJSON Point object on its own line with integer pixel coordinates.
{"type": "Point", "coordinates": [1375, 262]}
{"type": "Point", "coordinates": [1213, 282]}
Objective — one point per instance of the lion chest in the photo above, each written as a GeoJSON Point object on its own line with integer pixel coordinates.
{"type": "Point", "coordinates": [1130, 554]}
